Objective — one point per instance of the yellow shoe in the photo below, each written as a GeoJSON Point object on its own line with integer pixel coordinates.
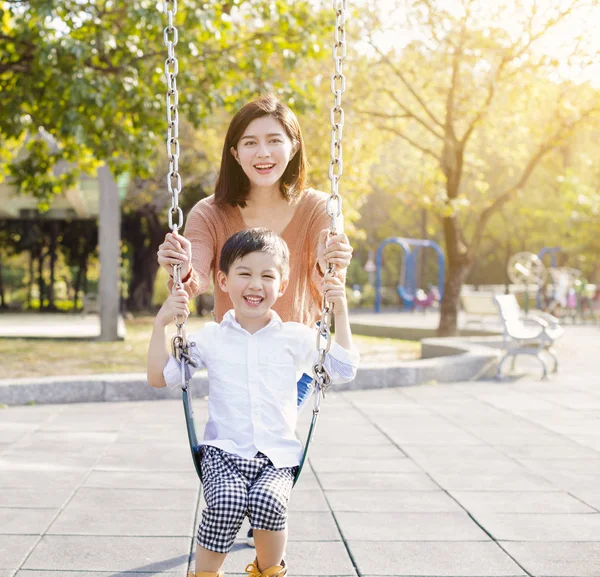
{"type": "Point", "coordinates": [275, 571]}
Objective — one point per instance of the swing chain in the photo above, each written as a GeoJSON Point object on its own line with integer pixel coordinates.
{"type": "Point", "coordinates": [322, 378]}
{"type": "Point", "coordinates": [179, 345]}
{"type": "Point", "coordinates": [171, 37]}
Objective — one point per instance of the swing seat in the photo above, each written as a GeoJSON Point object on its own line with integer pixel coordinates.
{"type": "Point", "coordinates": [305, 391]}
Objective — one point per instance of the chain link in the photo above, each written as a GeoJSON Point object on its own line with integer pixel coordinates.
{"type": "Point", "coordinates": [334, 203]}
{"type": "Point", "coordinates": [179, 344]}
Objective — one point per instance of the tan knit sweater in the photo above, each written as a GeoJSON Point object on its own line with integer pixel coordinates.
{"type": "Point", "coordinates": [208, 227]}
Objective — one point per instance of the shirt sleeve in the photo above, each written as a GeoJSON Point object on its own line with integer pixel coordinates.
{"type": "Point", "coordinates": [199, 232]}
{"type": "Point", "coordinates": [340, 363]}
{"type": "Point", "coordinates": [172, 370]}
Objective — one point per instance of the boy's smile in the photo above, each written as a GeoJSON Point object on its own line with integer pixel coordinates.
{"type": "Point", "coordinates": [253, 284]}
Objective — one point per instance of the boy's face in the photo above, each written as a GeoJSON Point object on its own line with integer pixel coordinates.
{"type": "Point", "coordinates": [253, 283]}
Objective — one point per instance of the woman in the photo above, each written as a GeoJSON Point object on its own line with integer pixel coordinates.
{"type": "Point", "coordinates": [261, 183]}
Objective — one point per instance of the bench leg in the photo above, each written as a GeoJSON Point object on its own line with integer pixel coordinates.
{"type": "Point", "coordinates": [499, 374]}
{"type": "Point", "coordinates": [552, 353]}
{"type": "Point", "coordinates": [540, 358]}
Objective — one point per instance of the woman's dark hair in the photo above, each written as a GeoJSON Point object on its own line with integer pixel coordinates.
{"type": "Point", "coordinates": [255, 240]}
{"type": "Point", "coordinates": [233, 185]}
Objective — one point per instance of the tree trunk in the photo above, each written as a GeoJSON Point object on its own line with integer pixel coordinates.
{"type": "Point", "coordinates": [3, 304]}
{"type": "Point", "coordinates": [41, 283]}
{"type": "Point", "coordinates": [78, 281]}
{"type": "Point", "coordinates": [52, 253]}
{"type": "Point", "coordinates": [31, 278]}
{"type": "Point", "coordinates": [456, 275]}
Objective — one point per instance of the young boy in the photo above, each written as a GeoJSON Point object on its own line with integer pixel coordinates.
{"type": "Point", "coordinates": [250, 452]}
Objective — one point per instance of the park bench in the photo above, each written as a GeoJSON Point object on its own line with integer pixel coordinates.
{"type": "Point", "coordinates": [532, 334]}
{"type": "Point", "coordinates": [91, 304]}
{"type": "Point", "coordinates": [478, 305]}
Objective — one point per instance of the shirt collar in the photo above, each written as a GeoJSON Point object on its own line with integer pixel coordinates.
{"type": "Point", "coordinates": [230, 320]}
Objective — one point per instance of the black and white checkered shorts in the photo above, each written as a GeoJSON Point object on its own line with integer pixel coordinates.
{"type": "Point", "coordinates": [235, 487]}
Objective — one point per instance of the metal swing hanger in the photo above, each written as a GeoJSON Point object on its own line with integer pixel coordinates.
{"type": "Point", "coordinates": [180, 345]}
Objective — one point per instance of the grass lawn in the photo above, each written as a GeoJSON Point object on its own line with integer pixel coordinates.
{"type": "Point", "coordinates": [40, 357]}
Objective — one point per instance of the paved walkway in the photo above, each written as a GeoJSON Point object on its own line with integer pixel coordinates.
{"type": "Point", "coordinates": [472, 479]}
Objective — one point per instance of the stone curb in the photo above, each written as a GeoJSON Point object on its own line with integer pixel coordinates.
{"type": "Point", "coordinates": [444, 360]}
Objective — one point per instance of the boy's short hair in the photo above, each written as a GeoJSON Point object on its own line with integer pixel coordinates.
{"type": "Point", "coordinates": [255, 240]}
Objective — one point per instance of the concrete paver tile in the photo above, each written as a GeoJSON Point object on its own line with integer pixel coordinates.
{"type": "Point", "coordinates": [35, 497]}
{"type": "Point", "coordinates": [135, 554]}
{"type": "Point", "coordinates": [392, 501]}
{"type": "Point", "coordinates": [17, 521]}
{"type": "Point", "coordinates": [75, 441]}
{"type": "Point", "coordinates": [142, 480]}
{"type": "Point", "coordinates": [147, 499]}
{"type": "Point", "coordinates": [409, 527]}
{"type": "Point", "coordinates": [574, 467]}
{"type": "Point", "coordinates": [442, 436]}
{"type": "Point", "coordinates": [447, 458]}
{"type": "Point", "coordinates": [591, 498]}
{"type": "Point", "coordinates": [528, 527]}
{"type": "Point", "coordinates": [564, 450]}
{"type": "Point", "coordinates": [29, 414]}
{"type": "Point", "coordinates": [312, 526]}
{"type": "Point", "coordinates": [557, 559]}
{"type": "Point", "coordinates": [398, 464]}
{"type": "Point", "coordinates": [310, 558]}
{"type": "Point", "coordinates": [378, 481]}
{"type": "Point", "coordinates": [147, 456]}
{"type": "Point", "coordinates": [385, 450]}
{"type": "Point", "coordinates": [433, 559]}
{"type": "Point", "coordinates": [500, 481]}
{"type": "Point", "coordinates": [519, 502]}
{"type": "Point", "coordinates": [41, 480]}
{"type": "Point", "coordinates": [308, 500]}
{"type": "Point", "coordinates": [50, 460]}
{"type": "Point", "coordinates": [134, 523]}
{"type": "Point", "coordinates": [14, 549]}
{"type": "Point", "coordinates": [41, 573]}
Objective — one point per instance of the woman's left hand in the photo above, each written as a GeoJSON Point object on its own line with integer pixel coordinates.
{"type": "Point", "coordinates": [335, 250]}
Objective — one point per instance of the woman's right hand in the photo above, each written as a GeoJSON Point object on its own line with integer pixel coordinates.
{"type": "Point", "coordinates": [176, 249]}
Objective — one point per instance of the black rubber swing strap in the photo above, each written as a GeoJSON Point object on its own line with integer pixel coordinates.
{"type": "Point", "coordinates": [309, 437]}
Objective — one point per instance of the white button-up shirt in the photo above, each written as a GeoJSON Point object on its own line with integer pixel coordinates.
{"type": "Point", "coordinates": [252, 405]}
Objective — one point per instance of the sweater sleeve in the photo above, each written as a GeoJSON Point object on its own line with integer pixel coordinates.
{"type": "Point", "coordinates": [199, 230]}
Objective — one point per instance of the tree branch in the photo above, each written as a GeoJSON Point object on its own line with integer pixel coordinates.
{"type": "Point", "coordinates": [550, 144]}
{"type": "Point", "coordinates": [420, 147]}
{"type": "Point", "coordinates": [411, 114]}
{"type": "Point", "coordinates": [513, 53]}
{"type": "Point", "coordinates": [406, 83]}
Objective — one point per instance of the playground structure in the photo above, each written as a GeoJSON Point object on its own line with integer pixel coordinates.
{"type": "Point", "coordinates": [561, 291]}
{"type": "Point", "coordinates": [567, 294]}
{"type": "Point", "coordinates": [413, 298]}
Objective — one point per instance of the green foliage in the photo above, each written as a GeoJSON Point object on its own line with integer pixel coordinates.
{"type": "Point", "coordinates": [91, 73]}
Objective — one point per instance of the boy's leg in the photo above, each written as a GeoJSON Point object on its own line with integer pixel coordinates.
{"type": "Point", "coordinates": [226, 496]}
{"type": "Point", "coordinates": [208, 561]}
{"type": "Point", "coordinates": [270, 547]}
{"type": "Point", "coordinates": [268, 506]}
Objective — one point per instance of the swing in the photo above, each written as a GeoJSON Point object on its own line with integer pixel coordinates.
{"type": "Point", "coordinates": [320, 381]}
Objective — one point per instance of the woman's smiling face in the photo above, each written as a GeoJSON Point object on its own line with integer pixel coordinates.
{"type": "Point", "coordinates": [264, 151]}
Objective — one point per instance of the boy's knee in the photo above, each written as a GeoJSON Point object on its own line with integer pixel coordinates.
{"type": "Point", "coordinates": [263, 501]}
{"type": "Point", "coordinates": [228, 500]}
